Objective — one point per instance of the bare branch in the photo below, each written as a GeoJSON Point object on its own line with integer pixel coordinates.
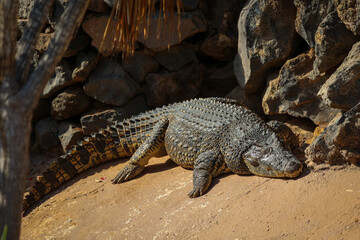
{"type": "Point", "coordinates": [37, 18]}
{"type": "Point", "coordinates": [8, 34]}
{"type": "Point", "coordinates": [64, 30]}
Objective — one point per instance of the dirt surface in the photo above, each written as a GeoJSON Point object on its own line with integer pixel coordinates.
{"type": "Point", "coordinates": [319, 205]}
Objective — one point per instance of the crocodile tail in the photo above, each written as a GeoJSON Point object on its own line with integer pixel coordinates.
{"type": "Point", "coordinates": [100, 147]}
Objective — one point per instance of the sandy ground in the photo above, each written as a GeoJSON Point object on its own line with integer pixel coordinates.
{"type": "Point", "coordinates": [318, 205]}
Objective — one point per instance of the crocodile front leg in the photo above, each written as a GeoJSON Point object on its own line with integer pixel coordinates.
{"type": "Point", "coordinates": [203, 167]}
{"type": "Point", "coordinates": [147, 150]}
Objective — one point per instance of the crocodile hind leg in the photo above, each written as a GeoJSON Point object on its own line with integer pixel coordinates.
{"type": "Point", "coordinates": [204, 166]}
{"type": "Point", "coordinates": [147, 150]}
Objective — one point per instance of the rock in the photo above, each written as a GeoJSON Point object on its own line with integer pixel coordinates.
{"type": "Point", "coordinates": [294, 91]}
{"type": "Point", "coordinates": [42, 110]}
{"type": "Point", "coordinates": [190, 5]}
{"type": "Point", "coordinates": [94, 25]}
{"type": "Point", "coordinates": [221, 42]}
{"type": "Point", "coordinates": [349, 13]}
{"type": "Point", "coordinates": [46, 134]}
{"type": "Point", "coordinates": [139, 65]}
{"type": "Point", "coordinates": [43, 42]}
{"type": "Point", "coordinates": [98, 6]}
{"type": "Point", "coordinates": [191, 24]}
{"type": "Point", "coordinates": [110, 84]}
{"type": "Point", "coordinates": [342, 89]}
{"type": "Point", "coordinates": [69, 135]}
{"type": "Point", "coordinates": [310, 13]}
{"type": "Point", "coordinates": [77, 44]}
{"type": "Point", "coordinates": [72, 102]}
{"type": "Point", "coordinates": [221, 78]}
{"type": "Point", "coordinates": [85, 63]}
{"type": "Point", "coordinates": [61, 79]}
{"type": "Point", "coordinates": [332, 43]}
{"type": "Point", "coordinates": [262, 44]}
{"type": "Point", "coordinates": [339, 143]}
{"type": "Point", "coordinates": [176, 57]}
{"type": "Point", "coordinates": [164, 88]}
{"type": "Point", "coordinates": [92, 122]}
{"type": "Point", "coordinates": [252, 101]}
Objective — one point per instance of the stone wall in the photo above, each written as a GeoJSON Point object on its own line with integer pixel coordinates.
{"type": "Point", "coordinates": [294, 61]}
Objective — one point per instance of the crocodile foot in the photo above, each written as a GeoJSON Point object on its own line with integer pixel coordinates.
{"type": "Point", "coordinates": [127, 173]}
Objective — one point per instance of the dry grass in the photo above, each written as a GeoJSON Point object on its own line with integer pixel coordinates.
{"type": "Point", "coordinates": [133, 16]}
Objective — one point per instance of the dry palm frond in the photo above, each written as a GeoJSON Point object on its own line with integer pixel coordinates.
{"type": "Point", "coordinates": [134, 16]}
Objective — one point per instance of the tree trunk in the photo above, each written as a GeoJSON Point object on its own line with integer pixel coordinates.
{"type": "Point", "coordinates": [19, 97]}
{"type": "Point", "coordinates": [14, 154]}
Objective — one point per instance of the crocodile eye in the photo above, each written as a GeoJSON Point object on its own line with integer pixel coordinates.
{"type": "Point", "coordinates": [253, 162]}
{"type": "Point", "coordinates": [266, 150]}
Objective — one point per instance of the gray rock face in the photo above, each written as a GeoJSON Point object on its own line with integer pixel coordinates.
{"type": "Point", "coordinates": [176, 57]}
{"type": "Point", "coordinates": [46, 134]}
{"type": "Point", "coordinates": [92, 122]}
{"type": "Point", "coordinates": [342, 89]}
{"type": "Point", "coordinates": [262, 44]}
{"type": "Point", "coordinates": [62, 78]}
{"type": "Point", "coordinates": [294, 92]}
{"type": "Point", "coordinates": [339, 143]}
{"type": "Point", "coordinates": [110, 84]}
{"type": "Point", "coordinates": [85, 63]}
{"type": "Point", "coordinates": [332, 43]}
{"type": "Point", "coordinates": [349, 13]}
{"type": "Point", "coordinates": [72, 102]}
{"type": "Point", "coordinates": [139, 65]}
{"type": "Point", "coordinates": [69, 135]}
{"type": "Point", "coordinates": [310, 13]}
{"type": "Point", "coordinates": [165, 88]}
{"type": "Point", "coordinates": [191, 24]}
{"type": "Point", "coordinates": [222, 39]}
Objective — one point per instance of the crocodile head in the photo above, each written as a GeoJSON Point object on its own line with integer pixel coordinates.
{"type": "Point", "coordinates": [271, 161]}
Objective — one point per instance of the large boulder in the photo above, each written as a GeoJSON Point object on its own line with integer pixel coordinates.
{"type": "Point", "coordinates": [93, 121]}
{"type": "Point", "coordinates": [191, 24]}
{"type": "Point", "coordinates": [222, 37]}
{"type": "Point", "coordinates": [309, 15]}
{"type": "Point", "coordinates": [85, 63]}
{"type": "Point", "coordinates": [339, 143]}
{"type": "Point", "coordinates": [46, 134]}
{"type": "Point", "coordinates": [72, 102]}
{"type": "Point", "coordinates": [342, 89]}
{"type": "Point", "coordinates": [263, 44]}
{"type": "Point", "coordinates": [294, 91]}
{"type": "Point", "coordinates": [349, 13]}
{"type": "Point", "coordinates": [333, 41]}
{"type": "Point", "coordinates": [69, 134]}
{"type": "Point", "coordinates": [139, 65]}
{"type": "Point", "coordinates": [176, 57]}
{"type": "Point", "coordinates": [164, 88]}
{"type": "Point", "coordinates": [110, 84]}
{"type": "Point", "coordinates": [61, 79]}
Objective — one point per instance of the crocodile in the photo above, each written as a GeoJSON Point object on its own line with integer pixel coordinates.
{"type": "Point", "coordinates": [209, 135]}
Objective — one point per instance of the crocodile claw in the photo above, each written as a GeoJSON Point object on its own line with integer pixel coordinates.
{"type": "Point", "coordinates": [127, 173]}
